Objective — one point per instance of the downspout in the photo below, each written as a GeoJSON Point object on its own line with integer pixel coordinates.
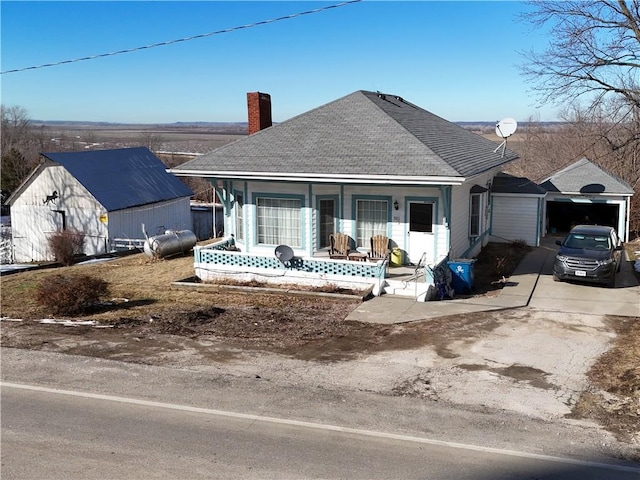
{"type": "Point", "coordinates": [490, 229]}
{"type": "Point", "coordinates": [341, 226]}
{"type": "Point", "coordinates": [539, 223]}
{"type": "Point", "coordinates": [214, 214]}
{"type": "Point", "coordinates": [311, 241]}
{"type": "Point", "coordinates": [627, 218]}
{"type": "Point", "coordinates": [445, 194]}
{"type": "Point", "coordinates": [225, 212]}
{"type": "Point", "coordinates": [221, 195]}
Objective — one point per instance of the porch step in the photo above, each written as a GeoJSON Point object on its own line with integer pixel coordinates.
{"type": "Point", "coordinates": [413, 289]}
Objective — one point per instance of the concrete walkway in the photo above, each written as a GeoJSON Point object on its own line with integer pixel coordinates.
{"type": "Point", "coordinates": [518, 292]}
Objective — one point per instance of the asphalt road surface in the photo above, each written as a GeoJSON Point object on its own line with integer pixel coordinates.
{"type": "Point", "coordinates": [50, 433]}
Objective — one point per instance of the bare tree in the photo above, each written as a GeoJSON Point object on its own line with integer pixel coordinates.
{"type": "Point", "coordinates": [19, 148]}
{"type": "Point", "coordinates": [615, 146]}
{"type": "Point", "coordinates": [153, 141]}
{"type": "Point", "coordinates": [592, 68]}
{"type": "Point", "coordinates": [16, 127]}
{"type": "Point", "coordinates": [594, 51]}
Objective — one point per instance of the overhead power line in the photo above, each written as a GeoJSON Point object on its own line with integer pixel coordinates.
{"type": "Point", "coordinates": [186, 39]}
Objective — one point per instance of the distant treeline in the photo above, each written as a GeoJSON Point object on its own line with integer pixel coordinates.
{"type": "Point", "coordinates": [78, 123]}
{"type": "Point", "coordinates": [240, 128]}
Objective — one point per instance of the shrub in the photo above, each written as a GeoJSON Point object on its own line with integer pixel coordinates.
{"type": "Point", "coordinates": [65, 244]}
{"type": "Point", "coordinates": [70, 294]}
{"type": "Point", "coordinates": [521, 244]}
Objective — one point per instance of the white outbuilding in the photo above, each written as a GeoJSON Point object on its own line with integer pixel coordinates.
{"type": "Point", "coordinates": [109, 196]}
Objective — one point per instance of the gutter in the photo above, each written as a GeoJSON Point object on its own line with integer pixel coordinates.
{"type": "Point", "coordinates": [324, 178]}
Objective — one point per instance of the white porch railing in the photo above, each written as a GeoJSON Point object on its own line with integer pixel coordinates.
{"type": "Point", "coordinates": [217, 262]}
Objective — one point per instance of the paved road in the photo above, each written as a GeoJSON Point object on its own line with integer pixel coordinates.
{"type": "Point", "coordinates": [48, 434]}
{"type": "Point", "coordinates": [91, 418]}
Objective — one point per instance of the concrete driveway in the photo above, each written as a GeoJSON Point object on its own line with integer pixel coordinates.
{"type": "Point", "coordinates": [574, 297]}
{"type": "Point", "coordinates": [535, 361]}
{"type": "Point", "coordinates": [530, 285]}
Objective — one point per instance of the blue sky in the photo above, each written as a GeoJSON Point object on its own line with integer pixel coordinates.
{"type": "Point", "coordinates": [456, 59]}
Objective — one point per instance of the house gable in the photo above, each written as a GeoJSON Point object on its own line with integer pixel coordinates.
{"type": "Point", "coordinates": [586, 177]}
{"type": "Point", "coordinates": [54, 187]}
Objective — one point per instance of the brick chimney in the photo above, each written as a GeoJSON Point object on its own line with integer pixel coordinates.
{"type": "Point", "coordinates": [259, 108]}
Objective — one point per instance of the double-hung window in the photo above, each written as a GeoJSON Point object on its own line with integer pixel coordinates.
{"type": "Point", "coordinates": [279, 221]}
{"type": "Point", "coordinates": [475, 217]}
{"type": "Point", "coordinates": [371, 219]}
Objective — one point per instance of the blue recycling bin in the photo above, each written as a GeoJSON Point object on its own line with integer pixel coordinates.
{"type": "Point", "coordinates": [462, 275]}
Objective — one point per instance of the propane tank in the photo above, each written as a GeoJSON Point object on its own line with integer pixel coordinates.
{"type": "Point", "coordinates": [170, 243]}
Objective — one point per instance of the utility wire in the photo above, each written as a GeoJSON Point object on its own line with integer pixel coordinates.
{"type": "Point", "coordinates": [186, 39]}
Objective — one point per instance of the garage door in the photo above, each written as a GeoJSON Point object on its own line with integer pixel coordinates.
{"type": "Point", "coordinates": [515, 218]}
{"type": "Point", "coordinates": [561, 216]}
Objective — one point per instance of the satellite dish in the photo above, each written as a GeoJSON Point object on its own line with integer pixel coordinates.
{"type": "Point", "coordinates": [284, 253]}
{"type": "Point", "coordinates": [506, 127]}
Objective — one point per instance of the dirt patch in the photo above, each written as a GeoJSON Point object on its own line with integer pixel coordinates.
{"type": "Point", "coordinates": [308, 330]}
{"type": "Point", "coordinates": [417, 386]}
{"type": "Point", "coordinates": [522, 373]}
{"type": "Point", "coordinates": [495, 263]}
{"type": "Point", "coordinates": [613, 398]}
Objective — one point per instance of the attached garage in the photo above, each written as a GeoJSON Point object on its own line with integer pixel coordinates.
{"type": "Point", "coordinates": [584, 193]}
{"type": "Point", "coordinates": [516, 208]}
{"type": "Point", "coordinates": [564, 213]}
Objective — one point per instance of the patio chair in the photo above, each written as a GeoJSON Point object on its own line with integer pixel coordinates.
{"type": "Point", "coordinates": [379, 248]}
{"type": "Point", "coordinates": [339, 246]}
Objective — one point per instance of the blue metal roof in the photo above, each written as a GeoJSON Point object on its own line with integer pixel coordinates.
{"type": "Point", "coordinates": [122, 178]}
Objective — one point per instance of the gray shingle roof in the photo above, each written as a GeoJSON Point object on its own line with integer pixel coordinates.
{"type": "Point", "coordinates": [363, 133]}
{"type": "Point", "coordinates": [505, 183]}
{"type": "Point", "coordinates": [122, 178]}
{"type": "Point", "coordinates": [584, 176]}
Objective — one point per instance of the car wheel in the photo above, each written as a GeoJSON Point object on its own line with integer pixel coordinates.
{"type": "Point", "coordinates": [611, 283]}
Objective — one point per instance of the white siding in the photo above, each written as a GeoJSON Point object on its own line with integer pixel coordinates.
{"type": "Point", "coordinates": [459, 221]}
{"type": "Point", "coordinates": [461, 244]}
{"type": "Point", "coordinates": [515, 217]}
{"type": "Point", "coordinates": [156, 217]}
{"type": "Point", "coordinates": [31, 227]}
{"type": "Point", "coordinates": [33, 221]}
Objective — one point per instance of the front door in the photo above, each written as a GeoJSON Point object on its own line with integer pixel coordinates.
{"type": "Point", "coordinates": [327, 221]}
{"type": "Point", "coordinates": [420, 231]}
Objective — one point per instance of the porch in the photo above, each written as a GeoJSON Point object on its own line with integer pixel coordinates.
{"type": "Point", "coordinates": [221, 261]}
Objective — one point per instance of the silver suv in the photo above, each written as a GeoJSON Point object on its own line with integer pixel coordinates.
{"type": "Point", "coordinates": [589, 253]}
